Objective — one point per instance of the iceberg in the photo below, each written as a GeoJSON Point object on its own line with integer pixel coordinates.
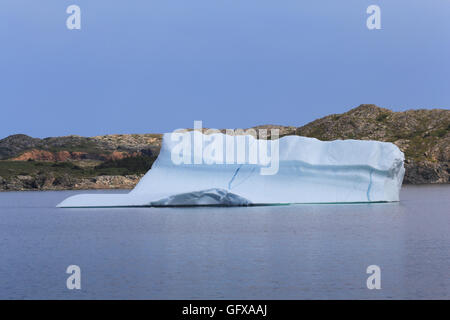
{"type": "Point", "coordinates": [189, 172]}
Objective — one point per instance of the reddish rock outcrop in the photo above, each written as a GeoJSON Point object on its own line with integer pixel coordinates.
{"type": "Point", "coordinates": [44, 155]}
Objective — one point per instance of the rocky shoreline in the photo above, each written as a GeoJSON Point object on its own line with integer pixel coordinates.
{"type": "Point", "coordinates": [119, 161]}
{"type": "Point", "coordinates": [45, 183]}
{"type": "Point", "coordinates": [416, 173]}
{"type": "Point", "coordinates": [426, 173]}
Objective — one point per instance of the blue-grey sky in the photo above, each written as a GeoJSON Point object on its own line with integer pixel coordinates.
{"type": "Point", "coordinates": [156, 65]}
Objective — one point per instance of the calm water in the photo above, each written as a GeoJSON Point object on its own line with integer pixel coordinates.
{"type": "Point", "coordinates": [286, 252]}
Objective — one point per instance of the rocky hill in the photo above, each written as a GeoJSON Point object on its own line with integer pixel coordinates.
{"type": "Point", "coordinates": [22, 147]}
{"type": "Point", "coordinates": [118, 161]}
{"type": "Point", "coordinates": [423, 135]}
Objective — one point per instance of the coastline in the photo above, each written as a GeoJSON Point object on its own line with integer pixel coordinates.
{"type": "Point", "coordinates": [28, 183]}
{"type": "Point", "coordinates": [415, 175]}
{"type": "Point", "coordinates": [118, 161]}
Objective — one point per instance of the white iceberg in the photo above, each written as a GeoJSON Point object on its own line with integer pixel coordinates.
{"type": "Point", "coordinates": [307, 171]}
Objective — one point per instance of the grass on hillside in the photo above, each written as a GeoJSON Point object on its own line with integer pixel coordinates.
{"type": "Point", "coordinates": [127, 166]}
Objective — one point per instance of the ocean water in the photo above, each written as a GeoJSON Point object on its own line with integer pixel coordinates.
{"type": "Point", "coordinates": [276, 252]}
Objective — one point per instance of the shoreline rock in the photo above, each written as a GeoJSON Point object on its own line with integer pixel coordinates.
{"type": "Point", "coordinates": [417, 173]}
{"type": "Point", "coordinates": [50, 183]}
{"type": "Point", "coordinates": [423, 135]}
{"type": "Point", "coordinates": [426, 172]}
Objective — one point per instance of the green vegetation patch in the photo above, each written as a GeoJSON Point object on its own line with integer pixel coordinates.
{"type": "Point", "coordinates": [382, 116]}
{"type": "Point", "coordinates": [131, 165]}
{"type": "Point", "coordinates": [33, 168]}
{"type": "Point", "coordinates": [127, 166]}
{"type": "Point", "coordinates": [83, 146]}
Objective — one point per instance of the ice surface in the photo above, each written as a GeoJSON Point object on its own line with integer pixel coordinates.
{"type": "Point", "coordinates": [307, 171]}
